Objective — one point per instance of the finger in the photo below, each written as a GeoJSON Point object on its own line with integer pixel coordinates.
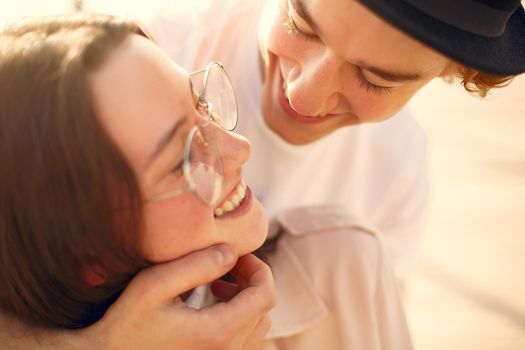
{"type": "Point", "coordinates": [263, 327]}
{"type": "Point", "coordinates": [163, 282]}
{"type": "Point", "coordinates": [251, 303]}
{"type": "Point", "coordinates": [256, 338]}
{"type": "Point", "coordinates": [257, 279]}
{"type": "Point", "coordinates": [223, 290]}
{"type": "Point", "coordinates": [250, 271]}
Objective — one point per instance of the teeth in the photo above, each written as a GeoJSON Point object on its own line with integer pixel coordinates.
{"type": "Point", "coordinates": [241, 191]}
{"type": "Point", "coordinates": [228, 206]}
{"type": "Point", "coordinates": [236, 200]}
{"type": "Point", "coordinates": [233, 202]}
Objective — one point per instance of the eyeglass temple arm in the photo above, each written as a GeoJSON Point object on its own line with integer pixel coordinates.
{"type": "Point", "coordinates": [170, 194]}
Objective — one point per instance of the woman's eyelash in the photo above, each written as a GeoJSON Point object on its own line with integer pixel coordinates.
{"type": "Point", "coordinates": [294, 29]}
{"type": "Point", "coordinates": [365, 84]}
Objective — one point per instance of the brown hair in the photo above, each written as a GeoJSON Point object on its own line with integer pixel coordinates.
{"type": "Point", "coordinates": [63, 182]}
{"type": "Point", "coordinates": [479, 83]}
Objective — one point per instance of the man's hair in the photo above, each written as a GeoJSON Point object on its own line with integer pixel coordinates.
{"type": "Point", "coordinates": [479, 83]}
{"type": "Point", "coordinates": [69, 201]}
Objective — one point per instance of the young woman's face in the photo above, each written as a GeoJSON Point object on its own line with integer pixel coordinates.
{"type": "Point", "coordinates": [331, 63]}
{"type": "Point", "coordinates": [145, 102]}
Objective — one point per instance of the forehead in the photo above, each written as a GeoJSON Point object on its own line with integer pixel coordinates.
{"type": "Point", "coordinates": [139, 93]}
{"type": "Point", "coordinates": [357, 34]}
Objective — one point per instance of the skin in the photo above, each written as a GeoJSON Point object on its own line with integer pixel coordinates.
{"type": "Point", "coordinates": [139, 109]}
{"type": "Point", "coordinates": [331, 64]}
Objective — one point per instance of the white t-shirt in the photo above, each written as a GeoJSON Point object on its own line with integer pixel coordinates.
{"type": "Point", "coordinates": [375, 170]}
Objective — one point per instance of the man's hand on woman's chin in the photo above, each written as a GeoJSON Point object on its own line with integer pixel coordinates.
{"type": "Point", "coordinates": [150, 315]}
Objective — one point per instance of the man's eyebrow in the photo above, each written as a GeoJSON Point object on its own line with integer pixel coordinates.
{"type": "Point", "coordinates": [396, 77]}
{"type": "Point", "coordinates": [301, 9]}
{"type": "Point", "coordinates": [167, 137]}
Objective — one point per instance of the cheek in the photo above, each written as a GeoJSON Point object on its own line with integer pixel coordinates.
{"type": "Point", "coordinates": [174, 228]}
{"type": "Point", "coordinates": [370, 106]}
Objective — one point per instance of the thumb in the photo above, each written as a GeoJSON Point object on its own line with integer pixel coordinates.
{"type": "Point", "coordinates": [163, 282]}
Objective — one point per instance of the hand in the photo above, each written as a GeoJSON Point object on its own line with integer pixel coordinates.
{"type": "Point", "coordinates": [150, 315]}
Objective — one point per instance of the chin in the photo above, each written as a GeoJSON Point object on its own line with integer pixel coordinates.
{"type": "Point", "coordinates": [252, 235]}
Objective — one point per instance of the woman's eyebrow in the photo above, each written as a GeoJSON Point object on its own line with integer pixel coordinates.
{"type": "Point", "coordinates": [166, 138]}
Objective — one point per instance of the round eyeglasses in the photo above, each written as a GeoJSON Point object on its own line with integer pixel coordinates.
{"type": "Point", "coordinates": [202, 165]}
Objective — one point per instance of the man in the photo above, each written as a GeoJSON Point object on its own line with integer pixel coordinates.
{"type": "Point", "coordinates": [314, 78]}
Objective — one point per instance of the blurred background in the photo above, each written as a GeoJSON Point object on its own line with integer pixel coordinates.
{"type": "Point", "coordinates": [468, 291]}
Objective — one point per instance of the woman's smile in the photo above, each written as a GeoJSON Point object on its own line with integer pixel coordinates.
{"type": "Point", "coordinates": [234, 200]}
{"type": "Point", "coordinates": [244, 207]}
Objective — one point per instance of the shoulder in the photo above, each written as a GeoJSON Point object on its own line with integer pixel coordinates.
{"type": "Point", "coordinates": [334, 287]}
{"type": "Point", "coordinates": [323, 263]}
{"type": "Point", "coordinates": [330, 241]}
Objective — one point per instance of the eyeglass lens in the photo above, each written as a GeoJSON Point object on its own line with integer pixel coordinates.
{"type": "Point", "coordinates": [205, 168]}
{"type": "Point", "coordinates": [219, 93]}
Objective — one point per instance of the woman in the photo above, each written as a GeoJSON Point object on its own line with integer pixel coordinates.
{"type": "Point", "coordinates": [100, 136]}
{"type": "Point", "coordinates": [135, 164]}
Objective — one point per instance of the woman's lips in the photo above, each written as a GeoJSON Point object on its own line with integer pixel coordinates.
{"type": "Point", "coordinates": [287, 108]}
{"type": "Point", "coordinates": [243, 207]}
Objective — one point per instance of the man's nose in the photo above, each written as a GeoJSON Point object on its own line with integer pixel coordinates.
{"type": "Point", "coordinates": [314, 87]}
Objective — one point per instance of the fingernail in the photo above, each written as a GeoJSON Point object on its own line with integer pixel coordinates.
{"type": "Point", "coordinates": [225, 253]}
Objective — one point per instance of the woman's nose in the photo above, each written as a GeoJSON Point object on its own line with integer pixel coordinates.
{"type": "Point", "coordinates": [313, 88]}
{"type": "Point", "coordinates": [233, 148]}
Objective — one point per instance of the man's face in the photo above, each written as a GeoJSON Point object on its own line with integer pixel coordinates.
{"type": "Point", "coordinates": [332, 63]}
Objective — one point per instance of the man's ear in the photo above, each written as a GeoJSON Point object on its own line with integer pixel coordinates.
{"type": "Point", "coordinates": [94, 275]}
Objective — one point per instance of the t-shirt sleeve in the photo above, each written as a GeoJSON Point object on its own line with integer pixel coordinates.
{"type": "Point", "coordinates": [365, 304]}
{"type": "Point", "coordinates": [350, 271]}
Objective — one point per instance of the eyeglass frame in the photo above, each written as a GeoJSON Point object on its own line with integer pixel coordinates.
{"type": "Point", "coordinates": [212, 117]}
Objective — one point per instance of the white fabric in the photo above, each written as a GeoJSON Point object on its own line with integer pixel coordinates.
{"type": "Point", "coordinates": [334, 288]}
{"type": "Point", "coordinates": [199, 297]}
{"type": "Point", "coordinates": [376, 170]}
